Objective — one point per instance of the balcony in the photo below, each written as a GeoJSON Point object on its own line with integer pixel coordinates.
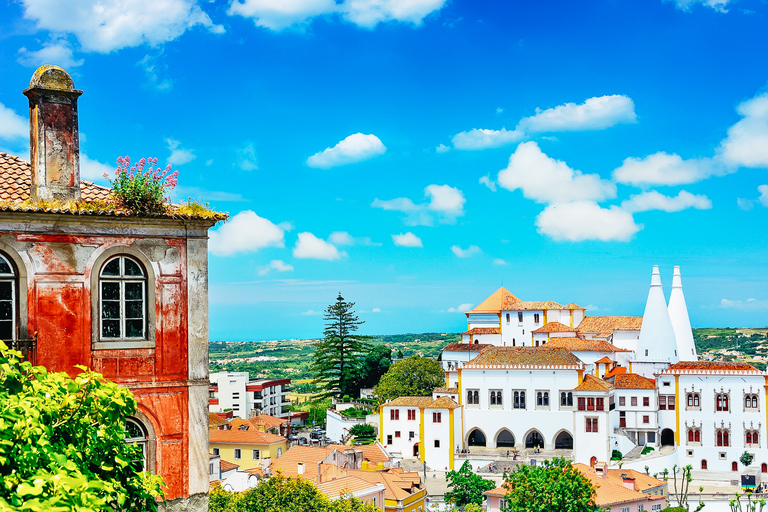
{"type": "Point", "coordinates": [28, 348]}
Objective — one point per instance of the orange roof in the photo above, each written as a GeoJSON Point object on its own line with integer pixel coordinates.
{"type": "Point", "coordinates": [496, 303]}
{"type": "Point", "coordinates": [264, 420]}
{"type": "Point", "coordinates": [483, 330]}
{"type": "Point", "coordinates": [554, 327]}
{"type": "Point", "coordinates": [399, 485]}
{"type": "Point", "coordinates": [592, 383]}
{"type": "Point", "coordinates": [465, 347]}
{"type": "Point", "coordinates": [611, 490]}
{"type": "Point", "coordinates": [311, 456]}
{"type": "Point", "coordinates": [580, 344]}
{"type": "Point", "coordinates": [344, 485]}
{"type": "Point", "coordinates": [214, 420]}
{"type": "Point", "coordinates": [617, 370]}
{"type": "Point", "coordinates": [604, 360]}
{"type": "Point", "coordinates": [536, 305]}
{"type": "Point", "coordinates": [524, 357]}
{"type": "Point", "coordinates": [499, 491]}
{"type": "Point", "coordinates": [371, 452]}
{"type": "Point", "coordinates": [711, 367]}
{"type": "Point", "coordinates": [228, 466]}
{"type": "Point", "coordinates": [571, 305]}
{"type": "Point", "coordinates": [236, 436]}
{"type": "Point", "coordinates": [446, 390]}
{"type": "Point", "coordinates": [604, 326]}
{"type": "Point", "coordinates": [632, 381]}
{"type": "Point", "coordinates": [410, 401]}
{"type": "Point", "coordinates": [443, 403]}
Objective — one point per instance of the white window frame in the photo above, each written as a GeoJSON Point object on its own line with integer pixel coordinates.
{"type": "Point", "coordinates": [122, 280]}
{"type": "Point", "coordinates": [238, 454]}
{"type": "Point", "coordinates": [11, 278]}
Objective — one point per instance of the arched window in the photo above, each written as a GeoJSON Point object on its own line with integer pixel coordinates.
{"type": "Point", "coordinates": [477, 397]}
{"type": "Point", "coordinates": [122, 286]}
{"type": "Point", "coordinates": [546, 398]}
{"type": "Point", "coordinates": [734, 466]}
{"type": "Point", "coordinates": [752, 438]}
{"type": "Point", "coordinates": [750, 401]}
{"type": "Point", "coordinates": [493, 398]}
{"type": "Point", "coordinates": [498, 398]}
{"type": "Point", "coordinates": [507, 317]}
{"type": "Point", "coordinates": [135, 433]}
{"type": "Point", "coordinates": [722, 437]}
{"type": "Point", "coordinates": [563, 399]}
{"type": "Point", "coordinates": [7, 299]}
{"type": "Point", "coordinates": [694, 435]}
{"type": "Point", "coordinates": [539, 400]}
{"type": "Point", "coordinates": [764, 468]}
{"type": "Point", "coordinates": [703, 463]}
{"type": "Point", "coordinates": [722, 402]}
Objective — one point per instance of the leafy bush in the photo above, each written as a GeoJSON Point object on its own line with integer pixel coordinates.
{"type": "Point", "coordinates": [361, 431]}
{"type": "Point", "coordinates": [616, 455]}
{"type": "Point", "coordinates": [62, 442]}
{"type": "Point", "coordinates": [140, 191]}
{"type": "Point", "coordinates": [647, 449]}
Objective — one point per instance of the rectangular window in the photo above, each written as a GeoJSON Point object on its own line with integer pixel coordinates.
{"type": "Point", "coordinates": [590, 404]}
{"type": "Point", "coordinates": [411, 435]}
{"type": "Point", "coordinates": [437, 443]}
{"type": "Point", "coordinates": [397, 433]}
{"type": "Point", "coordinates": [518, 399]}
{"type": "Point", "coordinates": [671, 403]}
{"type": "Point", "coordinates": [389, 439]}
{"type": "Point", "coordinates": [394, 414]}
{"type": "Point", "coordinates": [216, 451]}
{"type": "Point", "coordinates": [236, 396]}
{"type": "Point", "coordinates": [411, 414]}
{"type": "Point", "coordinates": [646, 401]}
{"type": "Point", "coordinates": [437, 417]}
{"type": "Point", "coordinates": [582, 403]}
{"type": "Point", "coordinates": [633, 401]}
{"type": "Point", "coordinates": [591, 424]}
{"type": "Point", "coordinates": [536, 318]}
{"type": "Point", "coordinates": [473, 397]}
{"type": "Point", "coordinates": [662, 403]}
{"type": "Point", "coordinates": [238, 454]}
{"type": "Point", "coordinates": [622, 401]}
{"type": "Point", "coordinates": [210, 469]}
{"type": "Point", "coordinates": [520, 316]}
{"type": "Point", "coordinates": [646, 419]}
{"type": "Point", "coordinates": [600, 402]}
{"type": "Point", "coordinates": [256, 454]}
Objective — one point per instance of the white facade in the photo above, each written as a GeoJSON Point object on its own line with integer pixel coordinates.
{"type": "Point", "coordinates": [246, 398]}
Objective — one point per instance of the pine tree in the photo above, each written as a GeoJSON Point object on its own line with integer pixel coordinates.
{"type": "Point", "coordinates": [339, 354]}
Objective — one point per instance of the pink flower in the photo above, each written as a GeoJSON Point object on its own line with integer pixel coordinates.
{"type": "Point", "coordinates": [142, 162]}
{"type": "Point", "coordinates": [120, 160]}
{"type": "Point", "coordinates": [167, 167]}
{"type": "Point", "coordinates": [106, 176]}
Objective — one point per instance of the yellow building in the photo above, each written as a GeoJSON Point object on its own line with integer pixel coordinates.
{"type": "Point", "coordinates": [246, 447]}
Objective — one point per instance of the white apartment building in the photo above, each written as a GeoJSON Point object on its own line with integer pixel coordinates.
{"type": "Point", "coordinates": [246, 398]}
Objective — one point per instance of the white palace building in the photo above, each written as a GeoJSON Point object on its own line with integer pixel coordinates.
{"type": "Point", "coordinates": [542, 375]}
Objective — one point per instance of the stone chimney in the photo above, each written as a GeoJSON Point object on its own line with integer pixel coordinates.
{"type": "Point", "coordinates": [678, 313]}
{"type": "Point", "coordinates": [300, 468]}
{"type": "Point", "coordinates": [53, 135]}
{"type": "Point", "coordinates": [657, 341]}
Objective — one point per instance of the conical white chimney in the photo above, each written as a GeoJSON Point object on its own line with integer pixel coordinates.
{"type": "Point", "coordinates": [657, 341]}
{"type": "Point", "coordinates": [678, 313]}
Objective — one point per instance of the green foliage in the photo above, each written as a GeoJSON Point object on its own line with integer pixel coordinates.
{"type": "Point", "coordinates": [746, 458]}
{"type": "Point", "coordinates": [415, 376]}
{"type": "Point", "coordinates": [278, 494]}
{"type": "Point", "coordinates": [62, 443]}
{"type": "Point", "coordinates": [553, 485]}
{"type": "Point", "coordinates": [473, 507]}
{"type": "Point", "coordinates": [361, 431]}
{"type": "Point", "coordinates": [317, 409]}
{"type": "Point", "coordinates": [142, 191]}
{"type": "Point", "coordinates": [749, 505]}
{"type": "Point", "coordinates": [616, 455]}
{"type": "Point", "coordinates": [466, 486]}
{"type": "Point", "coordinates": [647, 449]}
{"type": "Point", "coordinates": [339, 354]}
{"type": "Point", "coordinates": [374, 365]}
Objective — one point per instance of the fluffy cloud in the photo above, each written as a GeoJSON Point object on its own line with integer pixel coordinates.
{"type": "Point", "coordinates": [376, 310]}
{"type": "Point", "coordinates": [94, 170]}
{"type": "Point", "coordinates": [465, 253]}
{"type": "Point", "coordinates": [153, 67]}
{"type": "Point", "coordinates": [107, 25]}
{"type": "Point", "coordinates": [664, 169]}
{"type": "Point", "coordinates": [594, 114]}
{"type": "Point", "coordinates": [344, 238]}
{"type": "Point", "coordinates": [483, 139]}
{"type": "Point", "coordinates": [364, 13]}
{"type": "Point", "coordinates": [488, 182]}
{"type": "Point", "coordinates": [763, 189]}
{"type": "Point", "coordinates": [245, 232]}
{"type": "Point", "coordinates": [749, 304]}
{"type": "Point", "coordinates": [443, 202]}
{"type": "Point", "coordinates": [586, 220]}
{"type": "Point", "coordinates": [442, 148]}
{"type": "Point", "coordinates": [461, 309]}
{"type": "Point", "coordinates": [312, 312]}
{"type": "Point", "coordinates": [747, 141]}
{"type": "Point", "coordinates": [355, 148]}
{"type": "Point", "coordinates": [717, 5]}
{"type": "Point", "coordinates": [57, 51]}
{"type": "Point", "coordinates": [655, 201]}
{"type": "Point", "coordinates": [246, 158]}
{"type": "Point", "coordinates": [179, 156]}
{"type": "Point", "coordinates": [12, 125]}
{"type": "Point", "coordinates": [546, 180]}
{"type": "Point", "coordinates": [308, 246]}
{"type": "Point", "coordinates": [498, 261]}
{"type": "Point", "coordinates": [278, 265]}
{"type": "Point", "coordinates": [407, 240]}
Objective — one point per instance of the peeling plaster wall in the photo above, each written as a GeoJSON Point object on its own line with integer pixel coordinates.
{"type": "Point", "coordinates": [59, 258]}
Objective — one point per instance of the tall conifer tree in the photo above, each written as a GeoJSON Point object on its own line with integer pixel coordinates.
{"type": "Point", "coordinates": [339, 354]}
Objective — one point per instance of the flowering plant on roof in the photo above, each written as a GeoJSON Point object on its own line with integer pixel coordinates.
{"type": "Point", "coordinates": [142, 191]}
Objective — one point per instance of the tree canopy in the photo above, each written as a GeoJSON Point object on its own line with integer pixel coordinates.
{"type": "Point", "coordinates": [466, 486]}
{"type": "Point", "coordinates": [415, 376]}
{"type": "Point", "coordinates": [374, 365]}
{"type": "Point", "coordinates": [552, 485]}
{"type": "Point", "coordinates": [62, 442]}
{"type": "Point", "coordinates": [339, 354]}
{"type": "Point", "coordinates": [279, 494]}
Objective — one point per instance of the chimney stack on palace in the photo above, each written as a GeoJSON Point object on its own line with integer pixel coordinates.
{"type": "Point", "coordinates": [678, 313]}
{"type": "Point", "coordinates": [53, 134]}
{"type": "Point", "coordinates": [657, 336]}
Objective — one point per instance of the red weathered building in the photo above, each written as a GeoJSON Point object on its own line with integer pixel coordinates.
{"type": "Point", "coordinates": [124, 294]}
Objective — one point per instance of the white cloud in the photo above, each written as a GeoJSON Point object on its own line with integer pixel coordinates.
{"type": "Point", "coordinates": [499, 110]}
{"type": "Point", "coordinates": [461, 309]}
{"type": "Point", "coordinates": [353, 149]}
{"type": "Point", "coordinates": [407, 240]}
{"type": "Point", "coordinates": [107, 25]}
{"type": "Point", "coordinates": [749, 304]}
{"type": "Point", "coordinates": [94, 170]}
{"type": "Point", "coordinates": [442, 148]}
{"type": "Point", "coordinates": [444, 203]}
{"type": "Point", "coordinates": [57, 51]}
{"type": "Point", "coordinates": [595, 113]}
{"type": "Point", "coordinates": [655, 201]}
{"type": "Point", "coordinates": [747, 141]}
{"type": "Point", "coordinates": [245, 232]}
{"type": "Point", "coordinates": [488, 182]}
{"type": "Point", "coordinates": [666, 169]}
{"type": "Point", "coordinates": [153, 66]}
{"type": "Point", "coordinates": [546, 180]}
{"type": "Point", "coordinates": [308, 246]}
{"type": "Point", "coordinates": [763, 189]}
{"type": "Point", "coordinates": [479, 138]}
{"type": "Point", "coordinates": [246, 158]}
{"type": "Point", "coordinates": [745, 204]}
{"type": "Point", "coordinates": [344, 238]}
{"type": "Point", "coordinates": [717, 5]}
{"type": "Point", "coordinates": [465, 253]}
{"type": "Point", "coordinates": [12, 125]}
{"type": "Point", "coordinates": [312, 312]}
{"type": "Point", "coordinates": [363, 13]}
{"type": "Point", "coordinates": [278, 265]}
{"type": "Point", "coordinates": [498, 261]}
{"type": "Point", "coordinates": [586, 220]}
{"type": "Point", "coordinates": [179, 156]}
{"type": "Point", "coordinates": [376, 310]}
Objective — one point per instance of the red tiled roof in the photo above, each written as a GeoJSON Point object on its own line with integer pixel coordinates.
{"type": "Point", "coordinates": [611, 490]}
{"type": "Point", "coordinates": [580, 344]}
{"type": "Point", "coordinates": [604, 360]}
{"type": "Point", "coordinates": [631, 381]}
{"type": "Point", "coordinates": [496, 303]}
{"type": "Point", "coordinates": [604, 326]}
{"type": "Point", "coordinates": [228, 466]}
{"type": "Point", "coordinates": [592, 383]}
{"type": "Point", "coordinates": [524, 357]}
{"type": "Point", "coordinates": [483, 330]}
{"type": "Point", "coordinates": [617, 370]}
{"type": "Point", "coordinates": [554, 327]}
{"type": "Point", "coordinates": [711, 367]}
{"type": "Point", "coordinates": [250, 436]}
{"type": "Point", "coordinates": [466, 347]}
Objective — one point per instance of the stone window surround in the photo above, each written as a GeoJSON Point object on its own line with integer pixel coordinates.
{"type": "Point", "coordinates": [22, 317]}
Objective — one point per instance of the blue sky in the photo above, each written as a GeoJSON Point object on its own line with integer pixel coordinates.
{"type": "Point", "coordinates": [416, 154]}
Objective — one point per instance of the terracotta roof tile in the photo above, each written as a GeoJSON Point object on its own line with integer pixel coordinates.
{"type": "Point", "coordinates": [446, 390]}
{"type": "Point", "coordinates": [571, 305]}
{"type": "Point", "coordinates": [554, 327]}
{"type": "Point", "coordinates": [398, 484]}
{"type": "Point", "coordinates": [499, 491]}
{"type": "Point", "coordinates": [371, 452]}
{"type": "Point", "coordinates": [250, 436]}
{"type": "Point", "coordinates": [617, 370]}
{"type": "Point", "coordinates": [496, 303]}
{"type": "Point", "coordinates": [483, 330]}
{"type": "Point", "coordinates": [631, 381]}
{"type": "Point", "coordinates": [711, 367]}
{"type": "Point", "coordinates": [580, 344]}
{"type": "Point", "coordinates": [344, 485]}
{"type": "Point", "coordinates": [611, 490]}
{"type": "Point", "coordinates": [466, 347]}
{"type": "Point", "coordinates": [592, 383]}
{"type": "Point", "coordinates": [215, 420]}
{"type": "Point", "coordinates": [604, 326]}
{"type": "Point", "coordinates": [228, 466]}
{"type": "Point", "coordinates": [443, 403]}
{"type": "Point", "coordinates": [410, 401]}
{"type": "Point", "coordinates": [524, 357]}
{"type": "Point", "coordinates": [604, 360]}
